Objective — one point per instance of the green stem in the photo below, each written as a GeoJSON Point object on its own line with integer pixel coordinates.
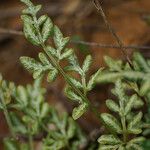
{"type": "Point", "coordinates": [7, 117]}
{"type": "Point", "coordinates": [30, 137]}
{"type": "Point", "coordinates": [124, 129]}
{"type": "Point", "coordinates": [84, 84]}
{"type": "Point", "coordinates": [123, 120]}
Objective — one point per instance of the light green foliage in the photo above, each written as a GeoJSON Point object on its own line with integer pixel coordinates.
{"type": "Point", "coordinates": [38, 31]}
{"type": "Point", "coordinates": [6, 90]}
{"type": "Point", "coordinates": [30, 115]}
{"type": "Point", "coordinates": [135, 79]}
{"type": "Point", "coordinates": [122, 126]}
{"type": "Point", "coordinates": [30, 102]}
{"type": "Point", "coordinates": [140, 73]}
{"type": "Point", "coordinates": [11, 144]}
{"type": "Point", "coordinates": [64, 134]}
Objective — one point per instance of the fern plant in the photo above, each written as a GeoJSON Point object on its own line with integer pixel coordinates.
{"type": "Point", "coordinates": [128, 123]}
{"type": "Point", "coordinates": [38, 31]}
{"type": "Point", "coordinates": [28, 116]}
{"type": "Point", "coordinates": [136, 79]}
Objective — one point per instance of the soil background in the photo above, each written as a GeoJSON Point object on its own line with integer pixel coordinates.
{"type": "Point", "coordinates": [78, 19]}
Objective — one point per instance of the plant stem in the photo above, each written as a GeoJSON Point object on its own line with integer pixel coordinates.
{"type": "Point", "coordinates": [30, 140]}
{"type": "Point", "coordinates": [112, 31]}
{"type": "Point", "coordinates": [7, 117]}
{"type": "Point", "coordinates": [84, 85]}
{"type": "Point", "coordinates": [124, 129]}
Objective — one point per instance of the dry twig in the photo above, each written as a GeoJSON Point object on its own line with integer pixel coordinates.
{"type": "Point", "coordinates": [93, 44]}
{"type": "Point", "coordinates": [112, 31]}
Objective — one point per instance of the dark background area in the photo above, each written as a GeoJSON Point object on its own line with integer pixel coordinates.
{"type": "Point", "coordinates": [76, 18]}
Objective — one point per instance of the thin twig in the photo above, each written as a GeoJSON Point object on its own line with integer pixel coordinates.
{"type": "Point", "coordinates": [10, 31]}
{"type": "Point", "coordinates": [112, 31]}
{"type": "Point", "coordinates": [93, 44]}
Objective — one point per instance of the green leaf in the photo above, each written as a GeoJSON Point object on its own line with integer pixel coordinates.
{"type": "Point", "coordinates": [51, 51]}
{"type": "Point", "coordinates": [52, 75]}
{"type": "Point", "coordinates": [71, 128]}
{"type": "Point", "coordinates": [10, 144]}
{"type": "Point", "coordinates": [133, 126]}
{"type": "Point", "coordinates": [75, 82]}
{"type": "Point", "coordinates": [43, 58]}
{"type": "Point", "coordinates": [114, 65]}
{"type": "Point", "coordinates": [130, 103]}
{"type": "Point", "coordinates": [108, 77]}
{"type": "Point", "coordinates": [31, 64]}
{"type": "Point", "coordinates": [72, 95]}
{"type": "Point", "coordinates": [27, 2]}
{"type": "Point", "coordinates": [112, 105]}
{"type": "Point", "coordinates": [87, 63]}
{"type": "Point", "coordinates": [111, 122]}
{"type": "Point", "coordinates": [44, 110]}
{"type": "Point", "coordinates": [27, 19]}
{"type": "Point", "coordinates": [32, 10]}
{"type": "Point", "coordinates": [66, 54]}
{"type": "Point", "coordinates": [47, 29]}
{"type": "Point", "coordinates": [18, 125]}
{"type": "Point", "coordinates": [109, 140]}
{"type": "Point", "coordinates": [79, 111]}
{"type": "Point", "coordinates": [42, 20]}
{"type": "Point", "coordinates": [145, 87]}
{"type": "Point", "coordinates": [121, 148]}
{"type": "Point", "coordinates": [141, 62]}
{"type": "Point", "coordinates": [93, 78]}
{"type": "Point", "coordinates": [29, 30]}
{"type": "Point", "coordinates": [60, 42]}
{"type": "Point", "coordinates": [134, 147]}
{"type": "Point", "coordinates": [22, 96]}
{"type": "Point", "coordinates": [34, 66]}
{"type": "Point", "coordinates": [137, 140]}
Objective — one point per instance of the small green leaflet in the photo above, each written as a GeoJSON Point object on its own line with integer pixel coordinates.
{"type": "Point", "coordinates": [27, 2]}
{"type": "Point", "coordinates": [130, 103]}
{"type": "Point", "coordinates": [59, 40]}
{"type": "Point", "coordinates": [43, 58]}
{"type": "Point", "coordinates": [44, 110]}
{"type": "Point", "coordinates": [111, 122]}
{"type": "Point", "coordinates": [47, 29]}
{"type": "Point", "coordinates": [52, 75]}
{"type": "Point", "coordinates": [109, 140]}
{"type": "Point", "coordinates": [134, 125]}
{"type": "Point", "coordinates": [42, 20]}
{"type": "Point", "coordinates": [66, 54]}
{"type": "Point", "coordinates": [10, 144]}
{"type": "Point", "coordinates": [93, 78]}
{"type": "Point", "coordinates": [29, 30]}
{"type": "Point", "coordinates": [112, 105]}
{"type": "Point", "coordinates": [72, 95]}
{"type": "Point", "coordinates": [34, 66]}
{"type": "Point", "coordinates": [113, 64]}
{"type": "Point", "coordinates": [75, 82]}
{"type": "Point", "coordinates": [87, 63]}
{"type": "Point", "coordinates": [79, 111]}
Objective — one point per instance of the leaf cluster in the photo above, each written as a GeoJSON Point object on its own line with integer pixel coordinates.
{"type": "Point", "coordinates": [126, 123]}
{"type": "Point", "coordinates": [38, 31]}
{"type": "Point", "coordinates": [31, 115]}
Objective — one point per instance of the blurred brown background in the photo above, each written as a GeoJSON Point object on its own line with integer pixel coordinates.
{"type": "Point", "coordinates": [76, 18]}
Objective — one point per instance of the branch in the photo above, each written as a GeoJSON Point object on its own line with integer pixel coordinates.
{"type": "Point", "coordinates": [92, 44]}
{"type": "Point", "coordinates": [112, 31]}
